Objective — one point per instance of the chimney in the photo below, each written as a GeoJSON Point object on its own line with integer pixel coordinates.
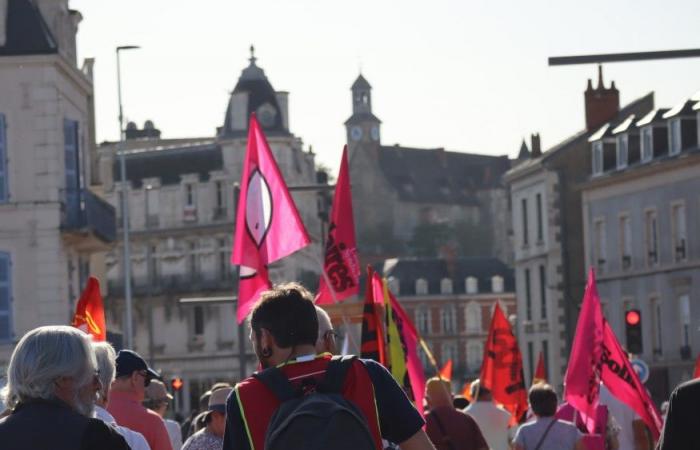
{"type": "Point", "coordinates": [602, 104]}
{"type": "Point", "coordinates": [535, 145]}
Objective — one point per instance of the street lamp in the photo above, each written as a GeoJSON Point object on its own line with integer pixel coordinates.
{"type": "Point", "coordinates": [125, 205]}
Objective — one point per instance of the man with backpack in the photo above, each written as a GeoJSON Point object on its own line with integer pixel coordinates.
{"type": "Point", "coordinates": [305, 400]}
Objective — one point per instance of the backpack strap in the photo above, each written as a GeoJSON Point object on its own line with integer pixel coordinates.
{"type": "Point", "coordinates": [276, 381]}
{"type": "Point", "coordinates": [336, 372]}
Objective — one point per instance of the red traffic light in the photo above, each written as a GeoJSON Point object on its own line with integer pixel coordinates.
{"type": "Point", "coordinates": [632, 317]}
{"type": "Point", "coordinates": [177, 383]}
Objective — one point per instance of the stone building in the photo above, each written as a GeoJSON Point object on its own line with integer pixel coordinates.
{"type": "Point", "coordinates": [545, 204]}
{"type": "Point", "coordinates": [641, 210]}
{"type": "Point", "coordinates": [415, 201]}
{"type": "Point", "coordinates": [52, 224]}
{"type": "Point", "coordinates": [451, 302]}
{"type": "Point", "coordinates": [182, 195]}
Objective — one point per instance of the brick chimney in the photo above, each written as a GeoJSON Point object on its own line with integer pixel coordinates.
{"type": "Point", "coordinates": [536, 147]}
{"type": "Point", "coordinates": [602, 104]}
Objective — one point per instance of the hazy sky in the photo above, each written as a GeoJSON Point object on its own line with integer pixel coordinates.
{"type": "Point", "coordinates": [462, 74]}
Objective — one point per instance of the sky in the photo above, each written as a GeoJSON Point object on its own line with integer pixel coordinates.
{"type": "Point", "coordinates": [466, 75]}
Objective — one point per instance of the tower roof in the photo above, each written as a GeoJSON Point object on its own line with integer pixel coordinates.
{"type": "Point", "coordinates": [360, 83]}
{"type": "Point", "coordinates": [26, 31]}
{"type": "Point", "coordinates": [524, 151]}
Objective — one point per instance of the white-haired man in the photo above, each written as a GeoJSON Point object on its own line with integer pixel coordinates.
{"type": "Point", "coordinates": [51, 387]}
{"type": "Point", "coordinates": [105, 355]}
{"type": "Point", "coordinates": [326, 341]}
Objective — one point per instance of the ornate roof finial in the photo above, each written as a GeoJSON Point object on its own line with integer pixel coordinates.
{"type": "Point", "coordinates": [252, 56]}
{"type": "Point", "coordinates": [600, 77]}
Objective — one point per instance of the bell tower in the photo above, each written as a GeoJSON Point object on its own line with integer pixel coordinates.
{"type": "Point", "coordinates": [362, 128]}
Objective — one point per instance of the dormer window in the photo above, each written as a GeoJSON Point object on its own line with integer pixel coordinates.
{"type": "Point", "coordinates": [674, 137]}
{"type": "Point", "coordinates": [446, 286]}
{"type": "Point", "coordinates": [622, 152]}
{"type": "Point", "coordinates": [421, 286]}
{"type": "Point", "coordinates": [597, 158]}
{"type": "Point", "coordinates": [647, 143]}
{"type": "Point", "coordinates": [471, 285]}
{"type": "Point", "coordinates": [497, 284]}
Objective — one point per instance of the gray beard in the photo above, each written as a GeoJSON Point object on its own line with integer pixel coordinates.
{"type": "Point", "coordinates": [87, 409]}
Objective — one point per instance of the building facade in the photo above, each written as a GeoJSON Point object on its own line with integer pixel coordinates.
{"type": "Point", "coordinates": [545, 206]}
{"type": "Point", "coordinates": [451, 302]}
{"type": "Point", "coordinates": [641, 211]}
{"type": "Point", "coordinates": [53, 225]}
{"type": "Point", "coordinates": [182, 197]}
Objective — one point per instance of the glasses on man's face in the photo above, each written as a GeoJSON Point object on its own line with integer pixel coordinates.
{"type": "Point", "coordinates": [330, 334]}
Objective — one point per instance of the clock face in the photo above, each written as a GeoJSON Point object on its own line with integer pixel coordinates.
{"type": "Point", "coordinates": [356, 133]}
{"type": "Point", "coordinates": [266, 115]}
{"type": "Point", "coordinates": [375, 133]}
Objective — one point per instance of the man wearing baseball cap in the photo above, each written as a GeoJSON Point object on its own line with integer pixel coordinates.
{"type": "Point", "coordinates": [157, 399]}
{"type": "Point", "coordinates": [211, 437]}
{"type": "Point", "coordinates": [128, 392]}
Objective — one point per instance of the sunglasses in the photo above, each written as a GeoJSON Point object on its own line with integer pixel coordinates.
{"type": "Point", "coordinates": [146, 377]}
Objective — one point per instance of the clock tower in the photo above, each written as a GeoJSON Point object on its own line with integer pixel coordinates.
{"type": "Point", "coordinates": [362, 128]}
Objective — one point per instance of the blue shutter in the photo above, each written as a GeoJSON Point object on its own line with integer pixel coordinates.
{"type": "Point", "coordinates": [5, 298]}
{"type": "Point", "coordinates": [4, 194]}
{"type": "Point", "coordinates": [72, 191]}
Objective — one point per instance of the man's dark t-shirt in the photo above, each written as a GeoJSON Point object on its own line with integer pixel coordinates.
{"type": "Point", "coordinates": [681, 428]}
{"type": "Point", "coordinates": [459, 431]}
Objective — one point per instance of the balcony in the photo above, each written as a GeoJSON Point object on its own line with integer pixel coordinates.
{"type": "Point", "coordinates": [90, 225]}
{"type": "Point", "coordinates": [175, 285]}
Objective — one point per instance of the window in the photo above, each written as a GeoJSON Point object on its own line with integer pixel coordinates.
{"type": "Point", "coordinates": [679, 235]}
{"type": "Point", "coordinates": [497, 284]}
{"type": "Point", "coordinates": [523, 203]}
{"type": "Point", "coordinates": [625, 242]}
{"type": "Point", "coordinates": [193, 261]}
{"type": "Point", "coordinates": [4, 171]}
{"type": "Point", "coordinates": [219, 187]}
{"type": "Point", "coordinates": [475, 354]}
{"type": "Point", "coordinates": [471, 285]}
{"type": "Point", "coordinates": [153, 272]}
{"type": "Point", "coordinates": [540, 220]}
{"type": "Point", "coordinates": [531, 358]}
{"type": "Point", "coordinates": [528, 296]}
{"type": "Point", "coordinates": [543, 292]}
{"type": "Point", "coordinates": [71, 152]}
{"type": "Point", "coordinates": [674, 136]}
{"type": "Point", "coordinates": [656, 319]}
{"type": "Point", "coordinates": [599, 245]}
{"type": "Point", "coordinates": [545, 356]}
{"type": "Point", "coordinates": [647, 143]}
{"type": "Point", "coordinates": [189, 195]}
{"type": "Point", "coordinates": [198, 325]}
{"type": "Point", "coordinates": [5, 298]}
{"type": "Point", "coordinates": [597, 158]}
{"type": "Point", "coordinates": [684, 308]}
{"type": "Point", "coordinates": [651, 237]}
{"type": "Point", "coordinates": [423, 319]}
{"type": "Point", "coordinates": [224, 260]}
{"type": "Point", "coordinates": [152, 207]}
{"type": "Point", "coordinates": [473, 317]}
{"type": "Point", "coordinates": [421, 286]}
{"type": "Point", "coordinates": [448, 319]}
{"type": "Point", "coordinates": [449, 351]}
{"type": "Point", "coordinates": [446, 286]}
{"type": "Point", "coordinates": [622, 151]}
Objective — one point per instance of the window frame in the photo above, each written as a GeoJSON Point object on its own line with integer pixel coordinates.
{"type": "Point", "coordinates": [651, 236]}
{"type": "Point", "coordinates": [524, 224]}
{"type": "Point", "coordinates": [675, 136]}
{"type": "Point", "coordinates": [625, 240]}
{"type": "Point", "coordinates": [622, 160]}
{"type": "Point", "coordinates": [647, 148]}
{"type": "Point", "coordinates": [679, 224]}
{"type": "Point", "coordinates": [543, 291]}
{"type": "Point", "coordinates": [4, 162]}
{"type": "Point", "coordinates": [528, 294]}
{"type": "Point", "coordinates": [597, 160]}
{"type": "Point", "coordinates": [7, 284]}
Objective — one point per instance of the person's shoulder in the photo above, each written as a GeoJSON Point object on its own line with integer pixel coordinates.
{"type": "Point", "coordinates": [101, 435]}
{"type": "Point", "coordinates": [689, 388]}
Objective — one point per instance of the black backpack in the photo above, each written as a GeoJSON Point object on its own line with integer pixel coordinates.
{"type": "Point", "coordinates": [322, 419]}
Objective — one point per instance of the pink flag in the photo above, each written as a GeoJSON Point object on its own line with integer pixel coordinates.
{"type": "Point", "coordinates": [622, 381]}
{"type": "Point", "coordinates": [341, 265]}
{"type": "Point", "coordinates": [582, 381]}
{"type": "Point", "coordinates": [268, 226]}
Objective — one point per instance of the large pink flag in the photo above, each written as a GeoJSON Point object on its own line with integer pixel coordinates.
{"type": "Point", "coordinates": [268, 226]}
{"type": "Point", "coordinates": [582, 381]}
{"type": "Point", "coordinates": [341, 266]}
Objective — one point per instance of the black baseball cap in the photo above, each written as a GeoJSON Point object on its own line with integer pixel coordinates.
{"type": "Point", "coordinates": [129, 361]}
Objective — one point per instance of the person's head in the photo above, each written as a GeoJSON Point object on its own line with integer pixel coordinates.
{"type": "Point", "coordinates": [157, 397]}
{"type": "Point", "coordinates": [216, 411]}
{"type": "Point", "coordinates": [543, 400]}
{"type": "Point", "coordinates": [106, 367]}
{"type": "Point", "coordinates": [133, 374]}
{"type": "Point", "coordinates": [438, 393]}
{"type": "Point", "coordinates": [326, 341]}
{"type": "Point", "coordinates": [53, 362]}
{"type": "Point", "coordinates": [479, 393]}
{"type": "Point", "coordinates": [460, 402]}
{"type": "Point", "coordinates": [283, 322]}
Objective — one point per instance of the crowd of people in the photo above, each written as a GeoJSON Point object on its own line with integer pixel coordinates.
{"type": "Point", "coordinates": [65, 391]}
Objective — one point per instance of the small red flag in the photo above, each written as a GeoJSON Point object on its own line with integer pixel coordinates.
{"type": "Point", "coordinates": [467, 391]}
{"type": "Point", "coordinates": [90, 313]}
{"type": "Point", "coordinates": [372, 345]}
{"type": "Point", "coordinates": [268, 226]}
{"type": "Point", "coordinates": [341, 266]}
{"type": "Point", "coordinates": [696, 372]}
{"type": "Point", "coordinates": [502, 368]}
{"type": "Point", "coordinates": [540, 375]}
{"type": "Point", "coordinates": [446, 371]}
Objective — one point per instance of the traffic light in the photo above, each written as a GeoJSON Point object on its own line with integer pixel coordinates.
{"type": "Point", "coordinates": [633, 331]}
{"type": "Point", "coordinates": [176, 383]}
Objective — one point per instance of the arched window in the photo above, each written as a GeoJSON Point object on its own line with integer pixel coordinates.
{"type": "Point", "coordinates": [497, 284]}
{"type": "Point", "coordinates": [471, 285]}
{"type": "Point", "coordinates": [423, 319]}
{"type": "Point", "coordinates": [446, 286]}
{"type": "Point", "coordinates": [473, 317]}
{"type": "Point", "coordinates": [421, 286]}
{"type": "Point", "coordinates": [448, 319]}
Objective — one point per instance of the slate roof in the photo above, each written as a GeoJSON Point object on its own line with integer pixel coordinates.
{"type": "Point", "coordinates": [26, 31]}
{"type": "Point", "coordinates": [361, 83]}
{"type": "Point", "coordinates": [652, 116]}
{"type": "Point", "coordinates": [362, 117]}
{"type": "Point", "coordinates": [171, 163]}
{"type": "Point", "coordinates": [439, 176]}
{"type": "Point", "coordinates": [408, 270]}
{"type": "Point", "coordinates": [683, 108]}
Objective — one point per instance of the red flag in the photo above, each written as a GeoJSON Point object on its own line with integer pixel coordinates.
{"type": "Point", "coordinates": [341, 266]}
{"type": "Point", "coordinates": [446, 371]}
{"type": "Point", "coordinates": [540, 375]}
{"type": "Point", "coordinates": [467, 391]}
{"type": "Point", "coordinates": [502, 369]}
{"type": "Point", "coordinates": [268, 226]}
{"type": "Point", "coordinates": [696, 372]}
{"type": "Point", "coordinates": [90, 313]}
{"type": "Point", "coordinates": [372, 345]}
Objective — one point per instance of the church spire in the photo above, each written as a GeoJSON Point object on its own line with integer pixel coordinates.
{"type": "Point", "coordinates": [252, 58]}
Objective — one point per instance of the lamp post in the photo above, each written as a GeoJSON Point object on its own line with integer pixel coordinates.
{"type": "Point", "coordinates": [125, 205]}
